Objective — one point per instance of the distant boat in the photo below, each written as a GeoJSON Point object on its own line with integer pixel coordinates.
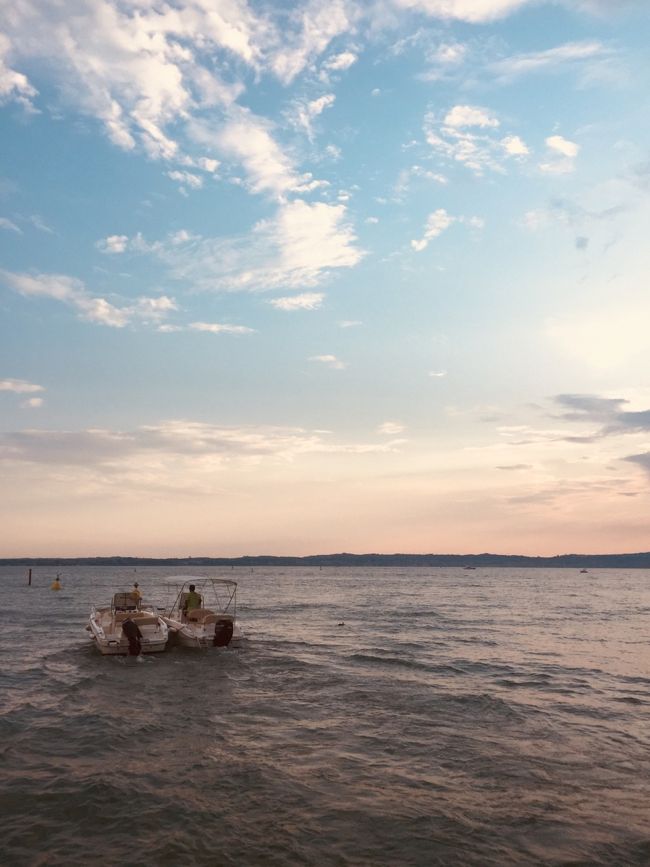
{"type": "Point", "coordinates": [469, 568]}
{"type": "Point", "coordinates": [584, 570]}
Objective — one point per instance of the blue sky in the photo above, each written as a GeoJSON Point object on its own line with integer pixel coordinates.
{"type": "Point", "coordinates": [309, 277]}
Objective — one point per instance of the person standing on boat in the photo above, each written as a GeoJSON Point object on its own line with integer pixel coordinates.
{"type": "Point", "coordinates": [192, 601]}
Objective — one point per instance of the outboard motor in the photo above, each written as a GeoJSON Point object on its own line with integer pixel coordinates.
{"type": "Point", "coordinates": [133, 634]}
{"type": "Point", "coordinates": [222, 633]}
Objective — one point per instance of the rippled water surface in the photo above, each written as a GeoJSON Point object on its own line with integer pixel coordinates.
{"type": "Point", "coordinates": [372, 717]}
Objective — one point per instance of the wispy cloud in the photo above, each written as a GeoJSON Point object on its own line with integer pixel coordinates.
{"type": "Point", "coordinates": [19, 386]}
{"type": "Point", "coordinates": [73, 292]}
{"type": "Point", "coordinates": [437, 223]}
{"type": "Point", "coordinates": [9, 226]}
{"type": "Point", "coordinates": [552, 59]}
{"type": "Point", "coordinates": [294, 249]}
{"type": "Point", "coordinates": [14, 86]}
{"type": "Point", "coordinates": [156, 454]}
{"type": "Point", "coordinates": [330, 361]}
{"type": "Point", "coordinates": [339, 62]}
{"type": "Point", "coordinates": [309, 34]}
{"type": "Point", "coordinates": [32, 403]}
{"type": "Point", "coordinates": [642, 460]}
{"type": "Point", "coordinates": [473, 11]}
{"type": "Point", "coordinates": [463, 116]}
{"type": "Point", "coordinates": [304, 301]}
{"type": "Point", "coordinates": [608, 413]}
{"type": "Point", "coordinates": [561, 155]}
{"type": "Point", "coordinates": [247, 140]}
{"type": "Point", "coordinates": [443, 60]}
{"type": "Point", "coordinates": [113, 244]}
{"type": "Point", "coordinates": [303, 112]}
{"type": "Point", "coordinates": [221, 328]}
{"type": "Point", "coordinates": [470, 135]}
{"type": "Point", "coordinates": [391, 428]}
{"type": "Point", "coordinates": [186, 179]}
{"type": "Point", "coordinates": [515, 146]}
{"type": "Point", "coordinates": [39, 223]}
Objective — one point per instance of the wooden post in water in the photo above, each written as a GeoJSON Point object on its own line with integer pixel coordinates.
{"type": "Point", "coordinates": [29, 578]}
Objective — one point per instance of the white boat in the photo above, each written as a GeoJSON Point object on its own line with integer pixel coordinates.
{"type": "Point", "coordinates": [109, 625]}
{"type": "Point", "coordinates": [206, 615]}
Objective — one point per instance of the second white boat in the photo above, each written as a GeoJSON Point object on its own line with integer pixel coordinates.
{"type": "Point", "coordinates": [204, 613]}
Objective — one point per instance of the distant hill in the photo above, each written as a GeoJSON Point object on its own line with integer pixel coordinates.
{"type": "Point", "coordinates": [569, 561]}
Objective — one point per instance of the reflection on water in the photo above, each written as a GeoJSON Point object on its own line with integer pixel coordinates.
{"type": "Point", "coordinates": [373, 717]}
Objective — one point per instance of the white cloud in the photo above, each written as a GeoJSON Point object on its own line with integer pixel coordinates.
{"type": "Point", "coordinates": [436, 224]}
{"type": "Point", "coordinates": [339, 62]}
{"type": "Point", "coordinates": [406, 175]}
{"type": "Point", "coordinates": [461, 116]}
{"type": "Point", "coordinates": [247, 139]}
{"type": "Point", "coordinates": [9, 225]}
{"type": "Point", "coordinates": [319, 23]}
{"type": "Point", "coordinates": [156, 455]}
{"type": "Point", "coordinates": [40, 224]}
{"type": "Point", "coordinates": [514, 146]}
{"type": "Point", "coordinates": [138, 74]}
{"type": "Point", "coordinates": [467, 135]}
{"type": "Point", "coordinates": [14, 86]}
{"type": "Point", "coordinates": [220, 328]}
{"type": "Point", "coordinates": [563, 146]}
{"type": "Point", "coordinates": [329, 360]}
{"type": "Point", "coordinates": [449, 53]}
{"type": "Point", "coordinates": [207, 164]}
{"type": "Point", "coordinates": [32, 403]}
{"type": "Point", "coordinates": [188, 179]}
{"type": "Point", "coordinates": [437, 374]}
{"type": "Point", "coordinates": [113, 244]}
{"type": "Point", "coordinates": [391, 428]}
{"type": "Point", "coordinates": [552, 59]}
{"type": "Point", "coordinates": [19, 386]}
{"type": "Point", "coordinates": [304, 301]}
{"type": "Point", "coordinates": [304, 112]}
{"type": "Point", "coordinates": [443, 60]}
{"type": "Point", "coordinates": [473, 11]}
{"type": "Point", "coordinates": [333, 152]}
{"type": "Point", "coordinates": [71, 291]}
{"type": "Point", "coordinates": [561, 155]}
{"type": "Point", "coordinates": [294, 249]}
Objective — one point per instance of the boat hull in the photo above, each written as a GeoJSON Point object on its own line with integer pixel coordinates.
{"type": "Point", "coordinates": [190, 635]}
{"type": "Point", "coordinates": [113, 647]}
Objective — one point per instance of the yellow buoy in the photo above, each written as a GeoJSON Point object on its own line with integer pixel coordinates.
{"type": "Point", "coordinates": [55, 585]}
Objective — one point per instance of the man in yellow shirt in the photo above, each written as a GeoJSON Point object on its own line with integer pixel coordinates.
{"type": "Point", "coordinates": [192, 601]}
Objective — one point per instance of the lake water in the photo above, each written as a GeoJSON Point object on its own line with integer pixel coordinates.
{"type": "Point", "coordinates": [372, 717]}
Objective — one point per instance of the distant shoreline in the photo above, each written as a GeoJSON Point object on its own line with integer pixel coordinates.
{"type": "Point", "coordinates": [568, 561]}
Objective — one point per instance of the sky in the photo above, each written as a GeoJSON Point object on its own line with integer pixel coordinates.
{"type": "Point", "coordinates": [310, 277]}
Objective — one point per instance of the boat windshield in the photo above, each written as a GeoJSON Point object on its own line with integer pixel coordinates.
{"type": "Point", "coordinates": [126, 602]}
